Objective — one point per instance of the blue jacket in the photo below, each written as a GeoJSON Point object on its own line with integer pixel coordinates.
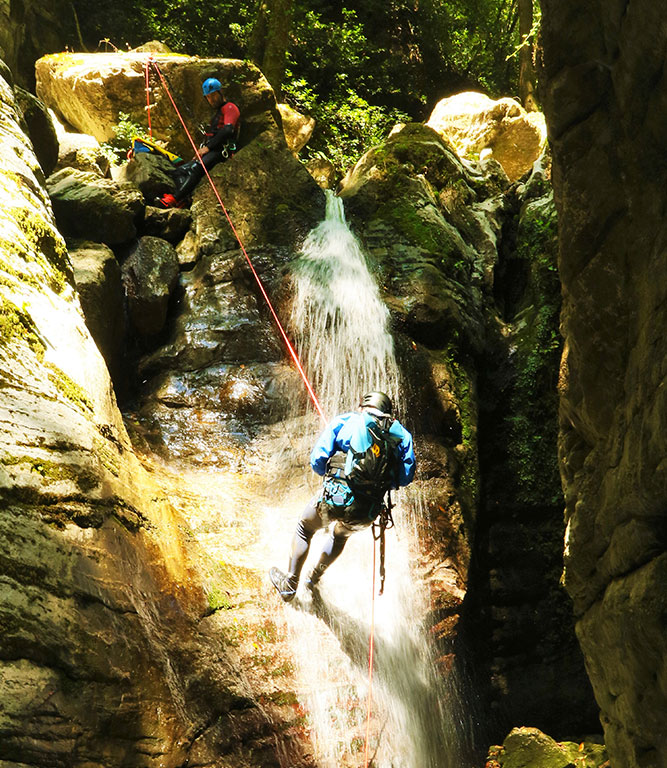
{"type": "Point", "coordinates": [349, 430]}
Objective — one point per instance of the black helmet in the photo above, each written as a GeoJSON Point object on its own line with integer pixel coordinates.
{"type": "Point", "coordinates": [377, 400]}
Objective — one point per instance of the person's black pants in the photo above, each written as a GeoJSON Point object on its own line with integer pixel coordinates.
{"type": "Point", "coordinates": [310, 522]}
{"type": "Point", "coordinates": [195, 172]}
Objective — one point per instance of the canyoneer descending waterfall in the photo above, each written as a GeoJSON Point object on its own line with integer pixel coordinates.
{"type": "Point", "coordinates": [365, 668]}
{"type": "Point", "coordinates": [362, 455]}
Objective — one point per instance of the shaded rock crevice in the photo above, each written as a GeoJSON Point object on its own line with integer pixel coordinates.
{"type": "Point", "coordinates": [611, 398]}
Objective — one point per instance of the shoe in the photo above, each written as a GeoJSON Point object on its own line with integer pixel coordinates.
{"type": "Point", "coordinates": [313, 580]}
{"type": "Point", "coordinates": [168, 201]}
{"type": "Point", "coordinates": [284, 583]}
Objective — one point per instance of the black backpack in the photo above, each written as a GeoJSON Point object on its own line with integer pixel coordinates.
{"type": "Point", "coordinates": [373, 471]}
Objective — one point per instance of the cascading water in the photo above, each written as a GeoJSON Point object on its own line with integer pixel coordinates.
{"type": "Point", "coordinates": [341, 327]}
{"type": "Point", "coordinates": [338, 319]}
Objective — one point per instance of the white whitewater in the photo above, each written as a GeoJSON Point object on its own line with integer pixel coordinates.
{"type": "Point", "coordinates": [338, 319]}
{"type": "Point", "coordinates": [341, 327]}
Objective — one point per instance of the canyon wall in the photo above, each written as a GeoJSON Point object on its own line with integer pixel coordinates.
{"type": "Point", "coordinates": [111, 653]}
{"type": "Point", "coordinates": [605, 95]}
{"type": "Point", "coordinates": [28, 30]}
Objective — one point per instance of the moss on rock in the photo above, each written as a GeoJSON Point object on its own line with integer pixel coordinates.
{"type": "Point", "coordinates": [69, 388]}
{"type": "Point", "coordinates": [535, 350]}
{"type": "Point", "coordinates": [16, 324]}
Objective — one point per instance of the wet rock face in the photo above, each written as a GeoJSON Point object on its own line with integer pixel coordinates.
{"type": "Point", "coordinates": [605, 101]}
{"type": "Point", "coordinates": [150, 274]}
{"type": "Point", "coordinates": [108, 652]}
{"type": "Point", "coordinates": [222, 374]}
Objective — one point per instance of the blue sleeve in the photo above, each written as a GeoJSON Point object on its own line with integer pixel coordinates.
{"type": "Point", "coordinates": [327, 444]}
{"type": "Point", "coordinates": [406, 454]}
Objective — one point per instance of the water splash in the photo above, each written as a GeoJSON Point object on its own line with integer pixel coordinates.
{"type": "Point", "coordinates": [342, 330]}
{"type": "Point", "coordinates": [338, 319]}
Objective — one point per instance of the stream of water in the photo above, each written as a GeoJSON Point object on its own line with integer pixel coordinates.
{"type": "Point", "coordinates": [341, 328]}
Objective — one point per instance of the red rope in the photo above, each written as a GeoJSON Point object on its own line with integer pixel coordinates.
{"type": "Point", "coordinates": [291, 349]}
{"type": "Point", "coordinates": [371, 649]}
{"type": "Point", "coordinates": [148, 100]}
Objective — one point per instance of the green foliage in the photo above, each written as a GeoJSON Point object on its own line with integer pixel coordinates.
{"type": "Point", "coordinates": [124, 131]}
{"type": "Point", "coordinates": [357, 67]}
{"type": "Point", "coordinates": [346, 128]}
{"type": "Point", "coordinates": [218, 599]}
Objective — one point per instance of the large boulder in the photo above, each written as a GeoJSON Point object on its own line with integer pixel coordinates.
{"type": "Point", "coordinates": [604, 94]}
{"type": "Point", "coordinates": [475, 126]}
{"type": "Point", "coordinates": [89, 207]}
{"type": "Point", "coordinates": [323, 171]}
{"type": "Point", "coordinates": [150, 172]}
{"type": "Point", "coordinates": [297, 128]}
{"type": "Point", "coordinates": [170, 224]}
{"type": "Point", "coordinates": [530, 748]}
{"type": "Point", "coordinates": [98, 282]}
{"type": "Point", "coordinates": [150, 274]}
{"type": "Point", "coordinates": [90, 90]}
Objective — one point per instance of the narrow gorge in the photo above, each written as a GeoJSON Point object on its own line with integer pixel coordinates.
{"type": "Point", "coordinates": [155, 432]}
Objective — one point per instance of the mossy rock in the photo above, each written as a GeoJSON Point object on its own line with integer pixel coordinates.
{"type": "Point", "coordinates": [90, 208]}
{"type": "Point", "coordinates": [530, 748]}
{"type": "Point", "coordinates": [17, 325]}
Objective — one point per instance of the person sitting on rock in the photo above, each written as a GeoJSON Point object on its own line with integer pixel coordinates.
{"type": "Point", "coordinates": [362, 455]}
{"type": "Point", "coordinates": [219, 144]}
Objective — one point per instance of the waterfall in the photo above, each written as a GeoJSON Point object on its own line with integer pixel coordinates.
{"type": "Point", "coordinates": [341, 327]}
{"type": "Point", "coordinates": [338, 319]}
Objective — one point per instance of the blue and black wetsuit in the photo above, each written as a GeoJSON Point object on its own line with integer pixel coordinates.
{"type": "Point", "coordinates": [336, 501]}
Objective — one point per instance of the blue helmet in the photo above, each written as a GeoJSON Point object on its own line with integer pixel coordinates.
{"type": "Point", "coordinates": [211, 86]}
